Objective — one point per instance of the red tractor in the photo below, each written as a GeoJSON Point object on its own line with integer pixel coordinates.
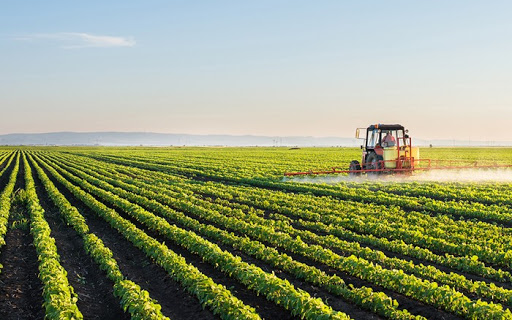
{"type": "Point", "coordinates": [387, 148]}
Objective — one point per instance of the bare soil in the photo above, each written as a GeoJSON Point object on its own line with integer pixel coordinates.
{"type": "Point", "coordinates": [21, 295]}
{"type": "Point", "coordinates": [95, 291]}
{"type": "Point", "coordinates": [175, 301]}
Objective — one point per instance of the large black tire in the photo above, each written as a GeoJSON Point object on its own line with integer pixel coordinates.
{"type": "Point", "coordinates": [354, 165]}
{"type": "Point", "coordinates": [374, 161]}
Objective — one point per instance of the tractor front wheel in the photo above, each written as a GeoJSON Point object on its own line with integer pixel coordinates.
{"type": "Point", "coordinates": [354, 166]}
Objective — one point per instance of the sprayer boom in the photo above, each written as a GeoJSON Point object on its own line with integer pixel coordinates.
{"type": "Point", "coordinates": [388, 149]}
{"type": "Point", "coordinates": [383, 170]}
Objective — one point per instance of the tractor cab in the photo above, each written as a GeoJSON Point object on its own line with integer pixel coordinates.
{"type": "Point", "coordinates": [384, 145]}
{"type": "Point", "coordinates": [381, 136]}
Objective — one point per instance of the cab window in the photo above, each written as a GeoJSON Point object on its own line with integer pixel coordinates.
{"type": "Point", "coordinates": [373, 138]}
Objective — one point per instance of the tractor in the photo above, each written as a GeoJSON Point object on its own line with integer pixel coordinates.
{"type": "Point", "coordinates": [387, 148]}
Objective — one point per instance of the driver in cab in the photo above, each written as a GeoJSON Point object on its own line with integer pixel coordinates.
{"type": "Point", "coordinates": [388, 140]}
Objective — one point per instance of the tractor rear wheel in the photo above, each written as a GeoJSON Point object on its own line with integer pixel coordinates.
{"type": "Point", "coordinates": [354, 165]}
{"type": "Point", "coordinates": [374, 162]}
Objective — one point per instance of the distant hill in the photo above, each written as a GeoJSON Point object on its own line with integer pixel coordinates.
{"type": "Point", "coordinates": [171, 139]}
{"type": "Point", "coordinates": [164, 139]}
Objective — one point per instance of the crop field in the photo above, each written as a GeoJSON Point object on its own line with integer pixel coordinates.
{"type": "Point", "coordinates": [219, 233]}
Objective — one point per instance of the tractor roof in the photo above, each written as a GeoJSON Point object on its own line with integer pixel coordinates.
{"type": "Point", "coordinates": [386, 127]}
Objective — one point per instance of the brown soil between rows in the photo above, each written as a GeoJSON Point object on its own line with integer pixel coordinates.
{"type": "Point", "coordinates": [4, 162]}
{"type": "Point", "coordinates": [94, 289]}
{"type": "Point", "coordinates": [336, 302]}
{"type": "Point", "coordinates": [412, 305]}
{"type": "Point", "coordinates": [122, 162]}
{"type": "Point", "coordinates": [265, 308]}
{"type": "Point", "coordinates": [388, 253]}
{"type": "Point", "coordinates": [206, 177]}
{"type": "Point", "coordinates": [4, 179]}
{"type": "Point", "coordinates": [176, 303]}
{"type": "Point", "coordinates": [21, 295]}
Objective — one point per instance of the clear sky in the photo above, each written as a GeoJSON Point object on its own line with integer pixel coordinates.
{"type": "Point", "coordinates": [320, 68]}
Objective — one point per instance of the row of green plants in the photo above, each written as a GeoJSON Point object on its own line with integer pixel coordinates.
{"type": "Point", "coordinates": [297, 301]}
{"type": "Point", "coordinates": [271, 163]}
{"type": "Point", "coordinates": [59, 296]}
{"type": "Point", "coordinates": [210, 294]}
{"type": "Point", "coordinates": [5, 155]}
{"type": "Point", "coordinates": [377, 302]}
{"type": "Point", "coordinates": [418, 202]}
{"type": "Point", "coordinates": [492, 238]}
{"type": "Point", "coordinates": [389, 223]}
{"type": "Point", "coordinates": [315, 221]}
{"type": "Point", "coordinates": [132, 298]}
{"type": "Point", "coordinates": [421, 203]}
{"type": "Point", "coordinates": [423, 290]}
{"type": "Point", "coordinates": [454, 280]}
{"type": "Point", "coordinates": [4, 159]}
{"type": "Point", "coordinates": [174, 199]}
{"type": "Point", "coordinates": [6, 195]}
{"type": "Point", "coordinates": [292, 205]}
{"type": "Point", "coordinates": [445, 192]}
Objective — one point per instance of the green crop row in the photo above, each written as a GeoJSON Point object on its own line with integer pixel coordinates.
{"type": "Point", "coordinates": [59, 297]}
{"type": "Point", "coordinates": [493, 213]}
{"type": "Point", "coordinates": [490, 236]}
{"type": "Point", "coordinates": [133, 299]}
{"type": "Point", "coordinates": [372, 224]}
{"type": "Point", "coordinates": [251, 197]}
{"type": "Point", "coordinates": [5, 197]}
{"type": "Point", "coordinates": [351, 229]}
{"type": "Point", "coordinates": [460, 208]}
{"type": "Point", "coordinates": [299, 302]}
{"type": "Point", "coordinates": [212, 295]}
{"type": "Point", "coordinates": [444, 192]}
{"type": "Point", "coordinates": [365, 297]}
{"type": "Point", "coordinates": [163, 196]}
{"type": "Point", "coordinates": [443, 296]}
{"type": "Point", "coordinates": [383, 198]}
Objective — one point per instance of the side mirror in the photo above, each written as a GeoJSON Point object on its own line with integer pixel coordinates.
{"type": "Point", "coordinates": [406, 136]}
{"type": "Point", "coordinates": [361, 146]}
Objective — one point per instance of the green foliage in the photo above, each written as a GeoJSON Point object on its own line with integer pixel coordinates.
{"type": "Point", "coordinates": [365, 297]}
{"type": "Point", "coordinates": [210, 294]}
{"type": "Point", "coordinates": [6, 194]}
{"type": "Point", "coordinates": [379, 275]}
{"type": "Point", "coordinates": [59, 297]}
{"type": "Point", "coordinates": [425, 241]}
{"type": "Point", "coordinates": [132, 298]}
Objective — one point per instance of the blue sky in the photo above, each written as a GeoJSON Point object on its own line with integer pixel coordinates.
{"type": "Point", "coordinates": [441, 68]}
